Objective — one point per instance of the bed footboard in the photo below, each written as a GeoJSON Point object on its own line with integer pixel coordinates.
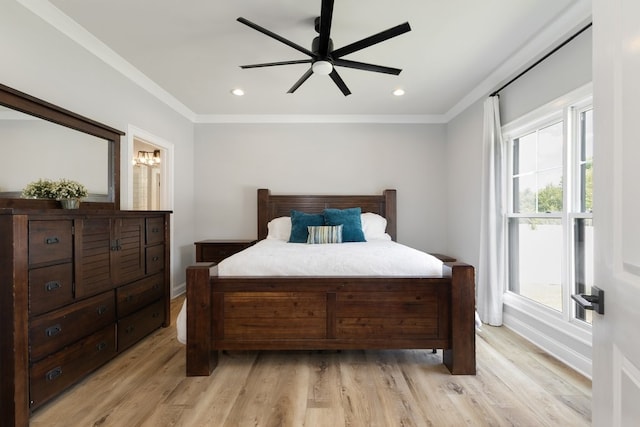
{"type": "Point", "coordinates": [330, 313]}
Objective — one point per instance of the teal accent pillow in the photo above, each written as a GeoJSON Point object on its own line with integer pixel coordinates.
{"type": "Point", "coordinates": [350, 220]}
{"type": "Point", "coordinates": [324, 234]}
{"type": "Point", "coordinates": [299, 223]}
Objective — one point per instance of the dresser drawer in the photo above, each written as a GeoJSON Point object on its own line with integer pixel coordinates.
{"type": "Point", "coordinates": [52, 331]}
{"type": "Point", "coordinates": [50, 241]}
{"type": "Point", "coordinates": [136, 326]}
{"type": "Point", "coordinates": [50, 287]}
{"type": "Point", "coordinates": [62, 369]}
{"type": "Point", "coordinates": [138, 294]}
{"type": "Point", "coordinates": [154, 259]}
{"type": "Point", "coordinates": [154, 230]}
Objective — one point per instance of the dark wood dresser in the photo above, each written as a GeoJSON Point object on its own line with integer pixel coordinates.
{"type": "Point", "coordinates": [77, 287]}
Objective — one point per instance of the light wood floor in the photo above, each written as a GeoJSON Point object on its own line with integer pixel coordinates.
{"type": "Point", "coordinates": [516, 385]}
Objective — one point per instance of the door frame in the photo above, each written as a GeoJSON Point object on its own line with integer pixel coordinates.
{"type": "Point", "coordinates": [166, 176]}
{"type": "Point", "coordinates": [166, 167]}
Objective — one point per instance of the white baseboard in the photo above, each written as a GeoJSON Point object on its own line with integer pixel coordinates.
{"type": "Point", "coordinates": [560, 344]}
{"type": "Point", "coordinates": [178, 290]}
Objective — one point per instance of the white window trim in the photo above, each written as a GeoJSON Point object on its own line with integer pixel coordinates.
{"type": "Point", "coordinates": [563, 335]}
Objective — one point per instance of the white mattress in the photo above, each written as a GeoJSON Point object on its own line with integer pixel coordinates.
{"type": "Point", "coordinates": [271, 257]}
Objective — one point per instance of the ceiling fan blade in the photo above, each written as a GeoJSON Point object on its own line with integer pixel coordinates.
{"type": "Point", "coordinates": [339, 82]}
{"type": "Point", "coordinates": [366, 67]}
{"type": "Point", "coordinates": [302, 79]}
{"type": "Point", "coordinates": [371, 40]}
{"type": "Point", "coordinates": [326, 15]}
{"type": "Point", "coordinates": [271, 64]}
{"type": "Point", "coordinates": [276, 36]}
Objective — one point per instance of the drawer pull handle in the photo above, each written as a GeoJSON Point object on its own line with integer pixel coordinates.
{"type": "Point", "coordinates": [54, 330]}
{"type": "Point", "coordinates": [129, 298]}
{"type": "Point", "coordinates": [155, 258]}
{"type": "Point", "coordinates": [155, 315]}
{"type": "Point", "coordinates": [52, 286]}
{"type": "Point", "coordinates": [101, 346]}
{"type": "Point", "coordinates": [155, 230]}
{"type": "Point", "coordinates": [51, 240]}
{"type": "Point", "coordinates": [156, 286]}
{"type": "Point", "coordinates": [53, 374]}
{"type": "Point", "coordinates": [101, 310]}
{"type": "Point", "coordinates": [130, 329]}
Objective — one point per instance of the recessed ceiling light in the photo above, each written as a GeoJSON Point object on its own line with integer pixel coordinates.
{"type": "Point", "coordinates": [398, 92]}
{"type": "Point", "coordinates": [237, 92]}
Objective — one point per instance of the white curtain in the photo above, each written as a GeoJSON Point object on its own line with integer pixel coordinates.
{"type": "Point", "coordinates": [491, 271]}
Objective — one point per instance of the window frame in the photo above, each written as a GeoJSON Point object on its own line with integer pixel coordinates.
{"type": "Point", "coordinates": [567, 109]}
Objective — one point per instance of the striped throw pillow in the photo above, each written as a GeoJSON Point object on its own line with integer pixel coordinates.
{"type": "Point", "coordinates": [324, 234]}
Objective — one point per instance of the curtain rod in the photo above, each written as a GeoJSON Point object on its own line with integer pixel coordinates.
{"type": "Point", "coordinates": [543, 58]}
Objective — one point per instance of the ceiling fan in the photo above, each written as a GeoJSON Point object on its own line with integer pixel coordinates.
{"type": "Point", "coordinates": [323, 57]}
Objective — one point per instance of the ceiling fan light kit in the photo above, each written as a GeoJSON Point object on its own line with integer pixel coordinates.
{"type": "Point", "coordinates": [322, 57]}
{"type": "Point", "coordinates": [323, 68]}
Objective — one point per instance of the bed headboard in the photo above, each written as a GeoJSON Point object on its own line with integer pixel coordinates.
{"type": "Point", "coordinates": [271, 206]}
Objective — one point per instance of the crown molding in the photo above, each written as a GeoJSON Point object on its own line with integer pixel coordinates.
{"type": "Point", "coordinates": [67, 26]}
{"type": "Point", "coordinates": [322, 118]}
{"type": "Point", "coordinates": [575, 16]}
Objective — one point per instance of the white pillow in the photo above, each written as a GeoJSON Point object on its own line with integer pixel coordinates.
{"type": "Point", "coordinates": [374, 226]}
{"type": "Point", "coordinates": [279, 228]}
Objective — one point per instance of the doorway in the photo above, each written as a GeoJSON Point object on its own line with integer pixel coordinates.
{"type": "Point", "coordinates": [147, 175]}
{"type": "Point", "coordinates": [154, 181]}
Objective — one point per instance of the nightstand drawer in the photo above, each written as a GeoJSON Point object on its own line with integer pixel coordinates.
{"type": "Point", "coordinates": [217, 250]}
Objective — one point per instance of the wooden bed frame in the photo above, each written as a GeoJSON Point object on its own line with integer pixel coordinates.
{"type": "Point", "coordinates": [330, 313]}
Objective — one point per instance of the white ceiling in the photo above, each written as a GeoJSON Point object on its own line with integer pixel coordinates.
{"type": "Point", "coordinates": [192, 49]}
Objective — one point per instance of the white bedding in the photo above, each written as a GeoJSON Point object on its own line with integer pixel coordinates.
{"type": "Point", "coordinates": [272, 257]}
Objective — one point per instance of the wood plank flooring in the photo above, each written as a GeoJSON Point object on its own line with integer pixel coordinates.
{"type": "Point", "coordinates": [516, 385]}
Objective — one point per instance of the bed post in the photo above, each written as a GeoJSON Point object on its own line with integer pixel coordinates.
{"type": "Point", "coordinates": [263, 212]}
{"type": "Point", "coordinates": [390, 213]}
{"type": "Point", "coordinates": [460, 358]}
{"type": "Point", "coordinates": [201, 360]}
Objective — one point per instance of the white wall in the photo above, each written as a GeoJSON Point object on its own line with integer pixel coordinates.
{"type": "Point", "coordinates": [464, 171]}
{"type": "Point", "coordinates": [43, 62]}
{"type": "Point", "coordinates": [567, 69]}
{"type": "Point", "coordinates": [233, 160]}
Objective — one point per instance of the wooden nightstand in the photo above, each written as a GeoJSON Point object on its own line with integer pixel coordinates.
{"type": "Point", "coordinates": [444, 258]}
{"type": "Point", "coordinates": [217, 250]}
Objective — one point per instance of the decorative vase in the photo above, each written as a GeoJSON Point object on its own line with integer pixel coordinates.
{"type": "Point", "coordinates": [70, 203]}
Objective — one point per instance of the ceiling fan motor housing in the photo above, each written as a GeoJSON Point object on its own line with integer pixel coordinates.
{"type": "Point", "coordinates": [315, 44]}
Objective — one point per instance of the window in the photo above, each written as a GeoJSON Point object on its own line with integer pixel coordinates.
{"type": "Point", "coordinates": [550, 230]}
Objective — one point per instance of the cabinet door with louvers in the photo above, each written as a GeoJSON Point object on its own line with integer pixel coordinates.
{"type": "Point", "coordinates": [92, 256]}
{"type": "Point", "coordinates": [127, 250]}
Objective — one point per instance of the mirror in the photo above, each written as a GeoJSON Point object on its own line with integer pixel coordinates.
{"type": "Point", "coordinates": [41, 140]}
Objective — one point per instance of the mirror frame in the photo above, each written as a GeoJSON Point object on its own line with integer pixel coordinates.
{"type": "Point", "coordinates": [19, 101]}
